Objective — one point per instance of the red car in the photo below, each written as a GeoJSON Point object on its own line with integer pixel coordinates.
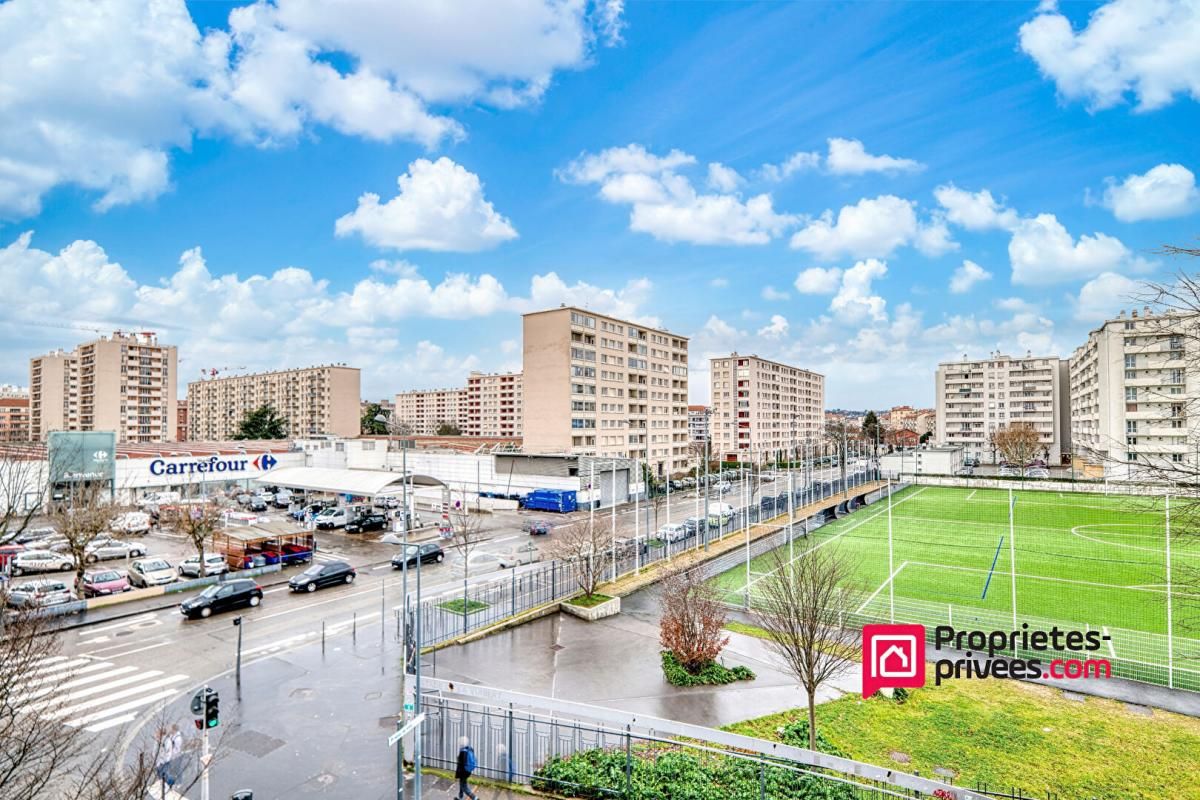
{"type": "Point", "coordinates": [7, 551]}
{"type": "Point", "coordinates": [98, 582]}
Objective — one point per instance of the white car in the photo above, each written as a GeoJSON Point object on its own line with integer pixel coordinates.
{"type": "Point", "coordinates": [102, 549]}
{"type": "Point", "coordinates": [40, 561]}
{"type": "Point", "coordinates": [150, 572]}
{"type": "Point", "coordinates": [672, 533]}
{"type": "Point", "coordinates": [723, 487]}
{"type": "Point", "coordinates": [39, 594]}
{"type": "Point", "coordinates": [131, 522]}
{"type": "Point", "coordinates": [332, 518]}
{"type": "Point", "coordinates": [526, 554]}
{"type": "Point", "coordinates": [214, 564]}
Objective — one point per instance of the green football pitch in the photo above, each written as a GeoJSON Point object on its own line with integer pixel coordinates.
{"type": "Point", "coordinates": [1083, 561]}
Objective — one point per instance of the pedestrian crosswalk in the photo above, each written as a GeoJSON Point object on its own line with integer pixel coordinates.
{"type": "Point", "coordinates": [91, 693]}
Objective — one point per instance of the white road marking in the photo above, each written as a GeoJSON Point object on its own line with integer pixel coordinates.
{"type": "Point", "coordinates": [41, 686]}
{"type": "Point", "coordinates": [304, 606]}
{"type": "Point", "coordinates": [120, 695]}
{"type": "Point", "coordinates": [48, 670]}
{"type": "Point", "coordinates": [138, 650]}
{"type": "Point", "coordinates": [278, 643]}
{"type": "Point", "coordinates": [121, 709]}
{"type": "Point", "coordinates": [107, 676]}
{"type": "Point", "coordinates": [121, 720]}
{"type": "Point", "coordinates": [507, 538]}
{"type": "Point", "coordinates": [283, 588]}
{"type": "Point", "coordinates": [124, 624]}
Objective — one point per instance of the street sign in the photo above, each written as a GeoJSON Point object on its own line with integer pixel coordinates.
{"type": "Point", "coordinates": [406, 728]}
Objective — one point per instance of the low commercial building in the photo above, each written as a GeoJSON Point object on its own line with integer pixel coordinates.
{"type": "Point", "coordinates": [763, 409]}
{"type": "Point", "coordinates": [312, 401]}
{"type": "Point", "coordinates": [923, 461]}
{"type": "Point", "coordinates": [424, 411]}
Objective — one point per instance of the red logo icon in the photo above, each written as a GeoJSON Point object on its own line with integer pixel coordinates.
{"type": "Point", "coordinates": [893, 657]}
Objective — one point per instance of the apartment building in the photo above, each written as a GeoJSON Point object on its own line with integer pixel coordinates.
{"type": "Point", "coordinates": [976, 398]}
{"type": "Point", "coordinates": [425, 410]}
{"type": "Point", "coordinates": [763, 409]}
{"type": "Point", "coordinates": [1132, 385]}
{"type": "Point", "coordinates": [124, 383]}
{"type": "Point", "coordinates": [181, 421]}
{"type": "Point", "coordinates": [14, 418]}
{"type": "Point", "coordinates": [602, 386]}
{"type": "Point", "coordinates": [698, 423]}
{"type": "Point", "coordinates": [493, 405]}
{"type": "Point", "coordinates": [313, 401]}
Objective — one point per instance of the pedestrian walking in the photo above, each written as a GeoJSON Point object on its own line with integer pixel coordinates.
{"type": "Point", "coordinates": [466, 765]}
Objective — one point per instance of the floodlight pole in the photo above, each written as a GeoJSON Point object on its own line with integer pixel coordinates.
{"type": "Point", "coordinates": [1170, 627]}
{"type": "Point", "coordinates": [1012, 554]}
{"type": "Point", "coordinates": [891, 562]}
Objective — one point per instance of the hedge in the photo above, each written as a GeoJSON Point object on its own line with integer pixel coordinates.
{"type": "Point", "coordinates": [711, 674]}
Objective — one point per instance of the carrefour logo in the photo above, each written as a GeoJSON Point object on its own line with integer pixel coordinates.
{"type": "Point", "coordinates": [265, 461]}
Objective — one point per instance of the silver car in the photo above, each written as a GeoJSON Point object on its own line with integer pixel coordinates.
{"type": "Point", "coordinates": [39, 594]}
{"type": "Point", "coordinates": [104, 549]}
{"type": "Point", "coordinates": [146, 572]}
{"type": "Point", "coordinates": [40, 561]}
{"type": "Point", "coordinates": [214, 564]}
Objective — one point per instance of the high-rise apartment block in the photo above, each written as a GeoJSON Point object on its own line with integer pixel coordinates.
{"type": "Point", "coordinates": [976, 398]}
{"type": "Point", "coordinates": [493, 404]}
{"type": "Point", "coordinates": [698, 423]}
{"type": "Point", "coordinates": [1132, 385]}
{"type": "Point", "coordinates": [14, 418]}
{"type": "Point", "coordinates": [426, 410]}
{"type": "Point", "coordinates": [312, 400]}
{"type": "Point", "coordinates": [601, 386]}
{"type": "Point", "coordinates": [763, 409]}
{"type": "Point", "coordinates": [124, 383]}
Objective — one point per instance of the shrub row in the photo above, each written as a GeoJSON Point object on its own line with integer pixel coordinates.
{"type": "Point", "coordinates": [711, 674]}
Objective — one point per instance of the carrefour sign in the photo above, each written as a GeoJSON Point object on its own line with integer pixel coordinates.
{"type": "Point", "coordinates": [160, 466]}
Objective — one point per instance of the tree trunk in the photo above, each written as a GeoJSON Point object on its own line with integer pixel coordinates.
{"type": "Point", "coordinates": [812, 719]}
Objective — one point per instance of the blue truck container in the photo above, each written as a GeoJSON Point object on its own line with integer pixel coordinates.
{"type": "Point", "coordinates": [560, 500]}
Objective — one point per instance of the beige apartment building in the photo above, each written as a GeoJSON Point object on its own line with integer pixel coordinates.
{"type": "Point", "coordinates": [1132, 392]}
{"type": "Point", "coordinates": [976, 398]}
{"type": "Point", "coordinates": [762, 409]}
{"type": "Point", "coordinates": [493, 405]}
{"type": "Point", "coordinates": [600, 386]}
{"type": "Point", "coordinates": [423, 410]}
{"type": "Point", "coordinates": [124, 383]}
{"type": "Point", "coordinates": [314, 401]}
{"type": "Point", "coordinates": [14, 419]}
{"type": "Point", "coordinates": [698, 423]}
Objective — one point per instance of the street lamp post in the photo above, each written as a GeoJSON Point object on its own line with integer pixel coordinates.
{"type": "Point", "coordinates": [388, 422]}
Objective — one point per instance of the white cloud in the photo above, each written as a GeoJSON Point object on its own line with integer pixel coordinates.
{"type": "Point", "coordinates": [456, 297]}
{"type": "Point", "coordinates": [1168, 190]}
{"type": "Point", "coordinates": [966, 276]}
{"type": "Point", "coordinates": [1144, 47]}
{"type": "Point", "coordinates": [855, 300]}
{"type": "Point", "coordinates": [818, 280]}
{"type": "Point", "coordinates": [99, 94]}
{"type": "Point", "coordinates": [849, 157]}
{"type": "Point", "coordinates": [440, 206]}
{"type": "Point", "coordinates": [772, 294]}
{"type": "Point", "coordinates": [723, 178]}
{"type": "Point", "coordinates": [719, 283]}
{"type": "Point", "coordinates": [933, 238]}
{"type": "Point", "coordinates": [665, 204]}
{"type": "Point", "coordinates": [797, 162]}
{"type": "Point", "coordinates": [975, 211]}
{"type": "Point", "coordinates": [1104, 296]}
{"type": "Point", "coordinates": [870, 228]}
{"type": "Point", "coordinates": [549, 290]}
{"type": "Point", "coordinates": [510, 346]}
{"type": "Point", "coordinates": [1043, 252]}
{"type": "Point", "coordinates": [776, 329]}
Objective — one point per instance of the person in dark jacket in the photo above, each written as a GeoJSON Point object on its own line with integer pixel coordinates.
{"type": "Point", "coordinates": [464, 768]}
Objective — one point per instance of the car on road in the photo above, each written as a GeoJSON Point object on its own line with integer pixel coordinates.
{"type": "Point", "coordinates": [104, 549]}
{"type": "Point", "coordinates": [367, 522]}
{"type": "Point", "coordinates": [214, 564]}
{"type": "Point", "coordinates": [39, 594]}
{"type": "Point", "coordinates": [672, 533]}
{"type": "Point", "coordinates": [40, 561]}
{"type": "Point", "coordinates": [99, 582]}
{"type": "Point", "coordinates": [538, 527]}
{"type": "Point", "coordinates": [144, 572]}
{"type": "Point", "coordinates": [321, 575]}
{"type": "Point", "coordinates": [429, 553]}
{"type": "Point", "coordinates": [130, 522]}
{"type": "Point", "coordinates": [222, 597]}
{"type": "Point", "coordinates": [525, 554]}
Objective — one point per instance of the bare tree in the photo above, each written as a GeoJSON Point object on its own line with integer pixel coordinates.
{"type": "Point", "coordinates": [588, 547]}
{"type": "Point", "coordinates": [466, 534]}
{"type": "Point", "coordinates": [86, 513]}
{"type": "Point", "coordinates": [198, 522]}
{"type": "Point", "coordinates": [838, 436]}
{"type": "Point", "coordinates": [22, 491]}
{"type": "Point", "coordinates": [1018, 444]}
{"type": "Point", "coordinates": [802, 605]}
{"type": "Point", "coordinates": [692, 625]}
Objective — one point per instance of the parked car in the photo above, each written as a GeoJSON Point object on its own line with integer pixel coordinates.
{"type": "Point", "coordinates": [145, 572]}
{"type": "Point", "coordinates": [964, 472]}
{"type": "Point", "coordinates": [243, 499]}
{"type": "Point", "coordinates": [104, 549]}
{"type": "Point", "coordinates": [321, 575]}
{"type": "Point", "coordinates": [159, 499]}
{"type": "Point", "coordinates": [312, 508]}
{"type": "Point", "coordinates": [386, 502]}
{"type": "Point", "coordinates": [214, 564]}
{"type": "Point", "coordinates": [693, 525]}
{"type": "Point", "coordinates": [430, 553]}
{"type": "Point", "coordinates": [39, 594]}
{"type": "Point", "coordinates": [131, 522]}
{"type": "Point", "coordinates": [222, 597]}
{"type": "Point", "coordinates": [677, 485]}
{"type": "Point", "coordinates": [282, 499]}
{"type": "Point", "coordinates": [723, 487]}
{"type": "Point", "coordinates": [333, 518]}
{"type": "Point", "coordinates": [367, 522]}
{"type": "Point", "coordinates": [99, 582]}
{"type": "Point", "coordinates": [672, 533]}
{"type": "Point", "coordinates": [257, 504]}
{"type": "Point", "coordinates": [525, 554]}
{"type": "Point", "coordinates": [32, 535]}
{"type": "Point", "coordinates": [538, 527]}
{"type": "Point", "coordinates": [40, 561]}
{"type": "Point", "coordinates": [1037, 472]}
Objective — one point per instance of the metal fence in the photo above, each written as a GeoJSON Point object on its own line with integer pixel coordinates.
{"type": "Point", "coordinates": [475, 604]}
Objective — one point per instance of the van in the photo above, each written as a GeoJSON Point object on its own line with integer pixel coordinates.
{"type": "Point", "coordinates": [333, 518]}
{"type": "Point", "coordinates": [719, 514]}
{"type": "Point", "coordinates": [131, 522]}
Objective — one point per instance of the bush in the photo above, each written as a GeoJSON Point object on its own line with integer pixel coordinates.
{"type": "Point", "coordinates": [711, 674]}
{"type": "Point", "coordinates": [796, 734]}
{"type": "Point", "coordinates": [673, 775]}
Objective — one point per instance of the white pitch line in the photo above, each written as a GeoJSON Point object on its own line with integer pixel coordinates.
{"type": "Point", "coordinates": [121, 709]}
{"type": "Point", "coordinates": [972, 494]}
{"type": "Point", "coordinates": [875, 593]}
{"type": "Point", "coordinates": [1028, 576]}
{"type": "Point", "coordinates": [1111, 651]}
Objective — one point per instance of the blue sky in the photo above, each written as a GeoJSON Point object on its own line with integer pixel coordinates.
{"type": "Point", "coordinates": [862, 188]}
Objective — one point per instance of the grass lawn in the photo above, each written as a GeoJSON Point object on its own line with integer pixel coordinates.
{"type": "Point", "coordinates": [460, 606]}
{"type": "Point", "coordinates": [1083, 561]}
{"type": "Point", "coordinates": [1015, 734]}
{"type": "Point", "coordinates": [589, 601]}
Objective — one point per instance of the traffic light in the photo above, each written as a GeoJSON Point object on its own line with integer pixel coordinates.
{"type": "Point", "coordinates": [212, 707]}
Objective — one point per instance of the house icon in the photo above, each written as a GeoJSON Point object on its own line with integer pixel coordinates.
{"type": "Point", "coordinates": [894, 656]}
{"type": "Point", "coordinates": [894, 660]}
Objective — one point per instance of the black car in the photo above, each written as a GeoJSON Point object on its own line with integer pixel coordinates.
{"type": "Point", "coordinates": [222, 597]}
{"type": "Point", "coordinates": [320, 575]}
{"type": "Point", "coordinates": [367, 522]}
{"type": "Point", "coordinates": [257, 504]}
{"type": "Point", "coordinates": [429, 552]}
